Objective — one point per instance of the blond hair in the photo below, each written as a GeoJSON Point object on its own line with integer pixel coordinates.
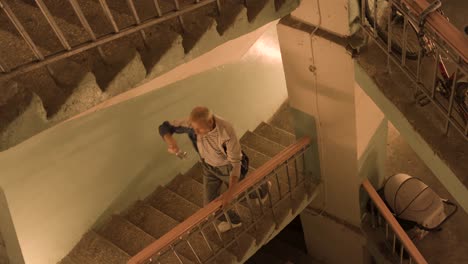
{"type": "Point", "coordinates": [201, 114]}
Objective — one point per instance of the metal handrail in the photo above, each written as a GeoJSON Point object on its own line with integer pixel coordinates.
{"type": "Point", "coordinates": [193, 222]}
{"type": "Point", "coordinates": [444, 29]}
{"type": "Point", "coordinates": [447, 41]}
{"type": "Point", "coordinates": [406, 242]}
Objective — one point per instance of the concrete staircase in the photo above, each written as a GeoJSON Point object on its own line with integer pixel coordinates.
{"type": "Point", "coordinates": [46, 96]}
{"type": "Point", "coordinates": [146, 220]}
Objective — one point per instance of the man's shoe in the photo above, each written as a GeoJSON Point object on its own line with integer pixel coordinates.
{"type": "Point", "coordinates": [225, 226]}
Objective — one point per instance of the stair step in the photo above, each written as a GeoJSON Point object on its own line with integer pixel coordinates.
{"type": "Point", "coordinates": [10, 41]}
{"type": "Point", "coordinates": [257, 159]}
{"type": "Point", "coordinates": [150, 219]}
{"type": "Point", "coordinates": [166, 201]}
{"type": "Point", "coordinates": [188, 188]}
{"type": "Point", "coordinates": [275, 134]}
{"type": "Point", "coordinates": [196, 172]}
{"type": "Point", "coordinates": [156, 223]}
{"type": "Point", "coordinates": [283, 119]}
{"type": "Point", "coordinates": [95, 249]}
{"type": "Point", "coordinates": [261, 144]}
{"type": "Point", "coordinates": [125, 235]}
{"type": "Point", "coordinates": [35, 23]}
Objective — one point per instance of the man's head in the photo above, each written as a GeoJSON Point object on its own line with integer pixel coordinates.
{"type": "Point", "coordinates": [201, 119]}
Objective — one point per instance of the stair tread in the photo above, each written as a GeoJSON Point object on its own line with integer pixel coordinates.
{"type": "Point", "coordinates": [261, 144]}
{"type": "Point", "coordinates": [275, 134]}
{"type": "Point", "coordinates": [283, 119]}
{"type": "Point", "coordinates": [166, 200]}
{"type": "Point", "coordinates": [156, 223]}
{"type": "Point", "coordinates": [93, 248]}
{"type": "Point", "coordinates": [188, 188]}
{"type": "Point", "coordinates": [150, 219]}
{"type": "Point", "coordinates": [125, 235]}
{"type": "Point", "coordinates": [41, 32]}
{"type": "Point", "coordinates": [10, 41]}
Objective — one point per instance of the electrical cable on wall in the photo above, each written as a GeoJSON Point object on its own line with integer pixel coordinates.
{"type": "Point", "coordinates": [319, 140]}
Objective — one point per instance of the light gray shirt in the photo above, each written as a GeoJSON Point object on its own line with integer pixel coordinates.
{"type": "Point", "coordinates": [210, 146]}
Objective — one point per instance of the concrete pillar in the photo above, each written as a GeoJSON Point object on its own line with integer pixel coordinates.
{"type": "Point", "coordinates": [320, 81]}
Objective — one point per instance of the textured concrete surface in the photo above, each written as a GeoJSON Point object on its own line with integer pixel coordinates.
{"type": "Point", "coordinates": [127, 62]}
{"type": "Point", "coordinates": [450, 245]}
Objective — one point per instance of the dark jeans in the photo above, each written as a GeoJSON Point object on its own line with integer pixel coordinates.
{"type": "Point", "coordinates": [214, 177]}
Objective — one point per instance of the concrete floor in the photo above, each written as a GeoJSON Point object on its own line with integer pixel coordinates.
{"type": "Point", "coordinates": [449, 246]}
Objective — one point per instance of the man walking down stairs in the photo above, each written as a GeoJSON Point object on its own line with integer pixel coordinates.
{"type": "Point", "coordinates": [222, 159]}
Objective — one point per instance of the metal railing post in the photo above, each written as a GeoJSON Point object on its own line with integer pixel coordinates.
{"type": "Point", "coordinates": [48, 16]}
{"type": "Point", "coordinates": [6, 8]}
{"type": "Point", "coordinates": [131, 5]}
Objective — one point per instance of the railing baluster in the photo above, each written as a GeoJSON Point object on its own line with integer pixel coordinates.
{"type": "Point", "coordinates": [434, 76]}
{"type": "Point", "coordinates": [386, 230]}
{"type": "Point", "coordinates": [394, 242]}
{"type": "Point", "coordinates": [259, 200]}
{"type": "Point", "coordinates": [289, 184]}
{"type": "Point", "coordinates": [131, 5]}
{"type": "Point", "coordinates": [401, 253]}
{"type": "Point", "coordinates": [372, 214]}
{"type": "Point", "coordinates": [297, 170]}
{"type": "Point", "coordinates": [218, 232]}
{"type": "Point", "coordinates": [278, 184]}
{"type": "Point", "coordinates": [272, 209]}
{"type": "Point", "coordinates": [218, 6]}
{"type": "Point", "coordinates": [375, 19]}
{"type": "Point", "coordinates": [181, 20]}
{"type": "Point", "coordinates": [389, 38]}
{"type": "Point", "coordinates": [48, 16]}
{"type": "Point", "coordinates": [418, 66]}
{"type": "Point", "coordinates": [363, 12]}
{"type": "Point", "coordinates": [193, 250]}
{"type": "Point", "coordinates": [6, 8]}
{"type": "Point", "coordinates": [158, 8]}
{"type": "Point", "coordinates": [452, 96]}
{"type": "Point", "coordinates": [84, 22]}
{"type": "Point", "coordinates": [405, 36]}
{"type": "Point", "coordinates": [206, 239]}
{"type": "Point", "coordinates": [177, 255]}
{"type": "Point", "coordinates": [249, 205]}
{"type": "Point", "coordinates": [109, 15]}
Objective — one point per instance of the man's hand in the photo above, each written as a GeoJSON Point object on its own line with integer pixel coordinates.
{"type": "Point", "coordinates": [172, 148]}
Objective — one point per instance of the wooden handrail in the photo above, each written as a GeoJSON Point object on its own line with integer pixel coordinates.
{"type": "Point", "coordinates": [396, 227]}
{"type": "Point", "coordinates": [215, 205]}
{"type": "Point", "coordinates": [446, 30]}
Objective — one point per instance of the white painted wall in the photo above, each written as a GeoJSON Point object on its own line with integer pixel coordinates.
{"type": "Point", "coordinates": [62, 181]}
{"type": "Point", "coordinates": [328, 95]}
